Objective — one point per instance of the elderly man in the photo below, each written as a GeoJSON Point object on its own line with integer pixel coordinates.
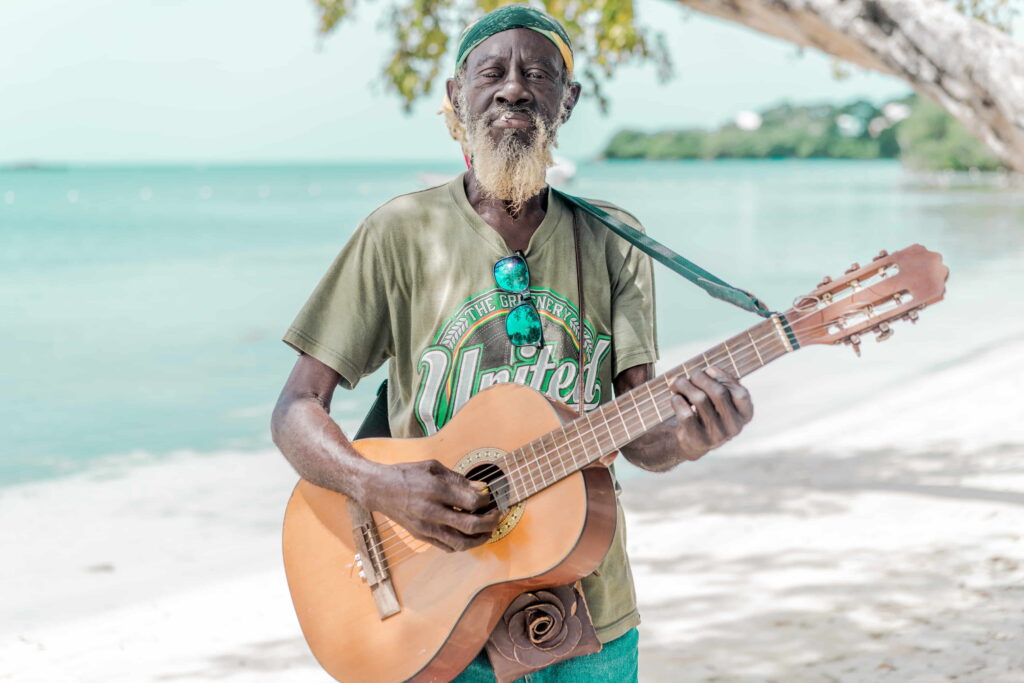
{"type": "Point", "coordinates": [417, 286]}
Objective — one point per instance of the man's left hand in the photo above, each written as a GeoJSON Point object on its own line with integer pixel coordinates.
{"type": "Point", "coordinates": [710, 408]}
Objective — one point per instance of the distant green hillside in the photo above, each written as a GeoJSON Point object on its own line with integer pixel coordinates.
{"type": "Point", "coordinates": [913, 129]}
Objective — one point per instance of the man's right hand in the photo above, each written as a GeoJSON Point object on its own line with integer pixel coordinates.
{"type": "Point", "coordinates": [422, 497]}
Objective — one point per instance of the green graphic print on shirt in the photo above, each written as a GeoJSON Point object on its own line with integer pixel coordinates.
{"type": "Point", "coordinates": [471, 352]}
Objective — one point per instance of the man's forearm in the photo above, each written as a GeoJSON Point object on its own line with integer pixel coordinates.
{"type": "Point", "coordinates": [657, 450]}
{"type": "Point", "coordinates": [318, 449]}
{"type": "Point", "coordinates": [427, 499]}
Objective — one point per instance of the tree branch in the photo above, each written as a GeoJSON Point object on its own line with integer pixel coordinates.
{"type": "Point", "coordinates": [972, 69]}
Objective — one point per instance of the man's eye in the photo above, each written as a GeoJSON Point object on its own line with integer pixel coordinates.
{"type": "Point", "coordinates": [536, 75]}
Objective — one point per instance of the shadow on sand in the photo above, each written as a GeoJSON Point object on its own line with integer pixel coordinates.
{"type": "Point", "coordinates": [935, 599]}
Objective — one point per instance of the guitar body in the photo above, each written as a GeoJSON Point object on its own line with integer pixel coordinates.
{"type": "Point", "coordinates": [449, 602]}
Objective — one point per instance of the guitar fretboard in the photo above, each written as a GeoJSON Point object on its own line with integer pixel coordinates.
{"type": "Point", "coordinates": [554, 456]}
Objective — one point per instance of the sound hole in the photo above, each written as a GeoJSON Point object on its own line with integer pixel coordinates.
{"type": "Point", "coordinates": [480, 465]}
{"type": "Point", "coordinates": [497, 484]}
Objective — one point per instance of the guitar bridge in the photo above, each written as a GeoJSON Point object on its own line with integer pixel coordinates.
{"type": "Point", "coordinates": [372, 563]}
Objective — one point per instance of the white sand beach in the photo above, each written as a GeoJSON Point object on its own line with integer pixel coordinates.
{"type": "Point", "coordinates": [868, 527]}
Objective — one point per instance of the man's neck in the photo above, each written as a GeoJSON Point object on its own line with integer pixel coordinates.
{"type": "Point", "coordinates": [515, 228]}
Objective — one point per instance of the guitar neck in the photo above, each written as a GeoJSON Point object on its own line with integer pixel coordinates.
{"type": "Point", "coordinates": [568, 449]}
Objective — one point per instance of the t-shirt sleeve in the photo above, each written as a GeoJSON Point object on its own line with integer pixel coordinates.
{"type": "Point", "coordinates": [634, 332]}
{"type": "Point", "coordinates": [346, 323]}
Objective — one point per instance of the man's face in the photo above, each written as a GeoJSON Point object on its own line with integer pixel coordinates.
{"type": "Point", "coordinates": [511, 100]}
{"type": "Point", "coordinates": [511, 78]}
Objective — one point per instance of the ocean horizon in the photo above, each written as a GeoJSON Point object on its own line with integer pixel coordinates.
{"type": "Point", "coordinates": [143, 304]}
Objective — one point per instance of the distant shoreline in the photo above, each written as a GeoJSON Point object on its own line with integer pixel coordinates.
{"type": "Point", "coordinates": [912, 129]}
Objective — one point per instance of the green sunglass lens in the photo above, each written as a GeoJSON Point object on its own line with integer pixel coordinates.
{"type": "Point", "coordinates": [522, 324]}
{"type": "Point", "coordinates": [511, 274]}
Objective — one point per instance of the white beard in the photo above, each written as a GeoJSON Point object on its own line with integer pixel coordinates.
{"type": "Point", "coordinates": [511, 170]}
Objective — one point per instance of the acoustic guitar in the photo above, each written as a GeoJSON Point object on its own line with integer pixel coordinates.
{"type": "Point", "coordinates": [375, 604]}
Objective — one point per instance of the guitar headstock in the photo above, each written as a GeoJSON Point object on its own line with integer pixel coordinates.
{"type": "Point", "coordinates": [867, 298]}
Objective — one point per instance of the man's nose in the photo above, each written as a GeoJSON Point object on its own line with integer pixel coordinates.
{"type": "Point", "coordinates": [513, 90]}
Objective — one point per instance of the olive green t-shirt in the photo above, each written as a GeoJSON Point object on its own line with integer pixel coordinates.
{"type": "Point", "coordinates": [414, 286]}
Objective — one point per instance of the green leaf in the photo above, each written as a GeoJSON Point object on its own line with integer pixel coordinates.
{"type": "Point", "coordinates": [605, 35]}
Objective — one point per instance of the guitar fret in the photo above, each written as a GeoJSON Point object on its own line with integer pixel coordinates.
{"type": "Point", "coordinates": [622, 419]}
{"type": "Point", "coordinates": [598, 448]}
{"type": "Point", "coordinates": [510, 484]}
{"type": "Point", "coordinates": [608, 428]}
{"type": "Point", "coordinates": [539, 461]}
{"type": "Point", "coordinates": [567, 442]}
{"type": "Point", "coordinates": [657, 410]}
{"type": "Point", "coordinates": [529, 468]}
{"type": "Point", "coordinates": [514, 472]}
{"type": "Point", "coordinates": [590, 432]}
{"type": "Point", "coordinates": [731, 359]}
{"type": "Point", "coordinates": [552, 460]}
{"type": "Point", "coordinates": [754, 344]}
{"type": "Point", "coordinates": [558, 455]}
{"type": "Point", "coordinates": [639, 414]}
{"type": "Point", "coordinates": [572, 449]}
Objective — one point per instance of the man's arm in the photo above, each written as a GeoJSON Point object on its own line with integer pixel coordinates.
{"type": "Point", "coordinates": [710, 408]}
{"type": "Point", "coordinates": [420, 496]}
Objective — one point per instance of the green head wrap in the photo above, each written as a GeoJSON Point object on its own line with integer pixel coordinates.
{"type": "Point", "coordinates": [510, 17]}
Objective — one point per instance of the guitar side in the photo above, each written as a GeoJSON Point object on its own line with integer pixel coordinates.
{"type": "Point", "coordinates": [449, 602]}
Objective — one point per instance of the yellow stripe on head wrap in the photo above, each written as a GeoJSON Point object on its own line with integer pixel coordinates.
{"type": "Point", "coordinates": [510, 17]}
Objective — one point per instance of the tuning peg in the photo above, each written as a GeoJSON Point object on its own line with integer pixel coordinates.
{"type": "Point", "coordinates": [882, 254]}
{"type": "Point", "coordinates": [824, 281]}
{"type": "Point", "coordinates": [912, 316]}
{"type": "Point", "coordinates": [854, 341]}
{"type": "Point", "coordinates": [884, 332]}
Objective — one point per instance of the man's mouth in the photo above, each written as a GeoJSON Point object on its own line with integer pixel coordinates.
{"type": "Point", "coordinates": [512, 119]}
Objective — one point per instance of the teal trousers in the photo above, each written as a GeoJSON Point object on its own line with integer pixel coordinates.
{"type": "Point", "coordinates": [615, 663]}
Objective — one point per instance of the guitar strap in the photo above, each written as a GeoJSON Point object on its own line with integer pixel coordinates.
{"type": "Point", "coordinates": [709, 282]}
{"type": "Point", "coordinates": [581, 353]}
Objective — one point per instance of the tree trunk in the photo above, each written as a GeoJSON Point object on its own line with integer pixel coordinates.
{"type": "Point", "coordinates": [973, 70]}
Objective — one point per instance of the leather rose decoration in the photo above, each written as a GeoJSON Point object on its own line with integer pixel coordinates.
{"type": "Point", "coordinates": [539, 629]}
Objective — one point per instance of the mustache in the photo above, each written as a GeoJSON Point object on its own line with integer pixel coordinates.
{"type": "Point", "coordinates": [501, 110]}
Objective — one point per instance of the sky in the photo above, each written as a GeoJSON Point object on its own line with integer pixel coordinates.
{"type": "Point", "coordinates": [154, 81]}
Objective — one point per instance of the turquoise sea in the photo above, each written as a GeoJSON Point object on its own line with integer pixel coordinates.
{"type": "Point", "coordinates": [141, 307]}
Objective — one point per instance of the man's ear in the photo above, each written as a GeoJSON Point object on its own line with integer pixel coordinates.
{"type": "Point", "coordinates": [574, 97]}
{"type": "Point", "coordinates": [452, 88]}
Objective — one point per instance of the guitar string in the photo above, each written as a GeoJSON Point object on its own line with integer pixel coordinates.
{"type": "Point", "coordinates": [742, 351]}
{"type": "Point", "coordinates": [744, 355]}
{"type": "Point", "coordinates": [741, 354]}
{"type": "Point", "coordinates": [390, 524]}
{"type": "Point", "coordinates": [412, 549]}
{"type": "Point", "coordinates": [546, 459]}
{"type": "Point", "coordinates": [541, 461]}
{"type": "Point", "coordinates": [546, 456]}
